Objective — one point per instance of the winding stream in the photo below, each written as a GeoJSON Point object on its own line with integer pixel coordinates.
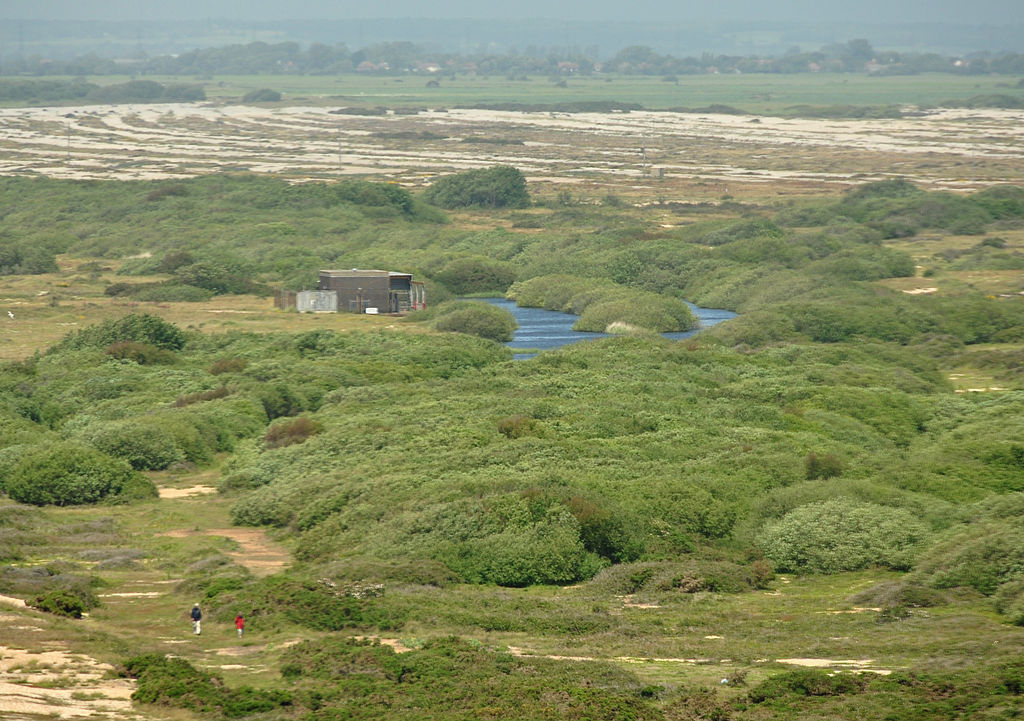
{"type": "Point", "coordinates": [541, 329]}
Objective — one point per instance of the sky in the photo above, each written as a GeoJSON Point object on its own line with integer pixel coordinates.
{"type": "Point", "coordinates": [973, 12]}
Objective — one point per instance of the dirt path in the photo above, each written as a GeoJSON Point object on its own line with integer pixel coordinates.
{"type": "Point", "coordinates": [258, 553]}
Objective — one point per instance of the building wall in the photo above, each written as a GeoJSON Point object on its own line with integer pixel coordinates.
{"type": "Point", "coordinates": [316, 301]}
{"type": "Point", "coordinates": [284, 299]}
{"type": "Point", "coordinates": [358, 290]}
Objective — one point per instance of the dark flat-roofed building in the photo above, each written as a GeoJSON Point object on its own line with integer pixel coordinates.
{"type": "Point", "coordinates": [374, 291]}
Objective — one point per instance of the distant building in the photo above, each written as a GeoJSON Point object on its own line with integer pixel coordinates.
{"type": "Point", "coordinates": [357, 291]}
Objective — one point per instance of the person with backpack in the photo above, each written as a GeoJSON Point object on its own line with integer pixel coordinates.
{"type": "Point", "coordinates": [197, 619]}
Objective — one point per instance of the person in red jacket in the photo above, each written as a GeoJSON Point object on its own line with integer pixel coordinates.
{"type": "Point", "coordinates": [240, 624]}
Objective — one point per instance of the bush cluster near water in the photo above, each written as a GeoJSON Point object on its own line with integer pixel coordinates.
{"type": "Point", "coordinates": [601, 303]}
{"type": "Point", "coordinates": [477, 318]}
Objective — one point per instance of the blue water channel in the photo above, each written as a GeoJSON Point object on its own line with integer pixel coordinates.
{"type": "Point", "coordinates": [541, 329]}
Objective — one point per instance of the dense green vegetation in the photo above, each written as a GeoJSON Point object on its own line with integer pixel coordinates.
{"type": "Point", "coordinates": [43, 92]}
{"type": "Point", "coordinates": [601, 303]}
{"type": "Point", "coordinates": [499, 187]}
{"type": "Point", "coordinates": [475, 318]}
{"type": "Point", "coordinates": [817, 433]}
{"type": "Point", "coordinates": [804, 274]}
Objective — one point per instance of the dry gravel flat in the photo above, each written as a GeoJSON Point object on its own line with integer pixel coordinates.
{"type": "Point", "coordinates": [952, 148]}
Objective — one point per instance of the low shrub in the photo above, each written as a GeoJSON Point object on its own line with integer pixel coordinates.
{"type": "Point", "coordinates": [228, 365]}
{"type": "Point", "coordinates": [166, 681]}
{"type": "Point", "coordinates": [601, 302]}
{"type": "Point", "coordinates": [453, 678]}
{"type": "Point", "coordinates": [843, 535]}
{"type": "Point", "coordinates": [319, 605]}
{"type": "Point", "coordinates": [825, 466]}
{"type": "Point", "coordinates": [290, 432]}
{"type": "Point", "coordinates": [499, 187]}
{"type": "Point", "coordinates": [26, 259]}
{"type": "Point", "coordinates": [517, 426]}
{"type": "Point", "coordinates": [219, 277]}
{"type": "Point", "coordinates": [476, 318]}
{"type": "Point", "coordinates": [142, 328]}
{"type": "Point", "coordinates": [902, 593]}
{"type": "Point", "coordinates": [806, 682]}
{"type": "Point", "coordinates": [640, 310]}
{"type": "Point", "coordinates": [141, 353]}
{"type": "Point", "coordinates": [476, 275]}
{"type": "Point", "coordinates": [65, 474]}
{"type": "Point", "coordinates": [279, 400]}
{"type": "Point", "coordinates": [166, 191]}
{"type": "Point", "coordinates": [200, 396]}
{"type": "Point", "coordinates": [263, 95]}
{"type": "Point", "coordinates": [987, 556]}
{"type": "Point", "coordinates": [526, 552]}
{"type": "Point", "coordinates": [61, 603]}
{"type": "Point", "coordinates": [56, 580]}
{"type": "Point", "coordinates": [145, 446]}
{"type": "Point", "coordinates": [176, 258]}
{"type": "Point", "coordinates": [120, 290]}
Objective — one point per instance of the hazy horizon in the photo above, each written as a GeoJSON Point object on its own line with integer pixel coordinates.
{"type": "Point", "coordinates": [59, 29]}
{"type": "Point", "coordinates": [979, 12]}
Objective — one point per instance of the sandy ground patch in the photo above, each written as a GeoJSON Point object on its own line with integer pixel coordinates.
{"type": "Point", "coordinates": [522, 653]}
{"type": "Point", "coordinates": [79, 689]}
{"type": "Point", "coordinates": [863, 664]}
{"type": "Point", "coordinates": [629, 601]}
{"type": "Point", "coordinates": [12, 601]}
{"type": "Point", "coordinates": [394, 643]}
{"type": "Point", "coordinates": [186, 492]}
{"type": "Point", "coordinates": [238, 650]}
{"type": "Point", "coordinates": [855, 609]}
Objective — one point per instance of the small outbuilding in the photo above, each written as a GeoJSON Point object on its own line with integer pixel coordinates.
{"type": "Point", "coordinates": [357, 291]}
{"type": "Point", "coordinates": [374, 291]}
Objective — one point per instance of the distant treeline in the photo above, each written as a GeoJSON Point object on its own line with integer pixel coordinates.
{"type": "Point", "coordinates": [289, 58]}
{"type": "Point", "coordinates": [135, 91]}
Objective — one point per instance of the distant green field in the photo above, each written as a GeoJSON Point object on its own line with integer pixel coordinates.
{"type": "Point", "coordinates": [753, 93]}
